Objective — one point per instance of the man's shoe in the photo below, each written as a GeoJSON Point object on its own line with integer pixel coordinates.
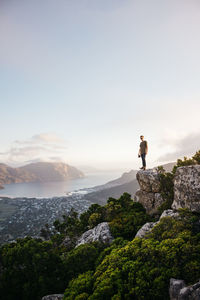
{"type": "Point", "coordinates": [142, 168]}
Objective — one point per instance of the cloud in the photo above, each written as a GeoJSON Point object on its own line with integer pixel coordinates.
{"type": "Point", "coordinates": [185, 146]}
{"type": "Point", "coordinates": [42, 138]}
{"type": "Point", "coordinates": [48, 138]}
{"type": "Point", "coordinates": [40, 147]}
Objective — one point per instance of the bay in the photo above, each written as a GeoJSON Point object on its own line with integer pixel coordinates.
{"type": "Point", "coordinates": [57, 188]}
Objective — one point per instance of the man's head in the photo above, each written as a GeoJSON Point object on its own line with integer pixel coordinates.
{"type": "Point", "coordinates": [142, 137]}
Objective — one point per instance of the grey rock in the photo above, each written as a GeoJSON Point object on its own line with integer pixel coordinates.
{"type": "Point", "coordinates": [149, 195]}
{"type": "Point", "coordinates": [187, 188]}
{"type": "Point", "coordinates": [179, 291]}
{"type": "Point", "coordinates": [175, 286]}
{"type": "Point", "coordinates": [146, 199]}
{"type": "Point", "coordinates": [158, 200]}
{"type": "Point", "coordinates": [146, 228]}
{"type": "Point", "coordinates": [148, 180]}
{"type": "Point", "coordinates": [53, 297]}
{"type": "Point", "coordinates": [100, 233]}
{"type": "Point", "coordinates": [169, 213]}
{"type": "Point", "coordinates": [150, 201]}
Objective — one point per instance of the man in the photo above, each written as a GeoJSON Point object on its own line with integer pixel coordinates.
{"type": "Point", "coordinates": [143, 152]}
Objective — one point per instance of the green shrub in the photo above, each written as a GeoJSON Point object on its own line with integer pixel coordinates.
{"type": "Point", "coordinates": [30, 269]}
{"type": "Point", "coordinates": [143, 267]}
{"type": "Point", "coordinates": [166, 189]}
{"type": "Point", "coordinates": [196, 157]}
{"type": "Point", "coordinates": [81, 259]}
{"type": "Point", "coordinates": [80, 287]}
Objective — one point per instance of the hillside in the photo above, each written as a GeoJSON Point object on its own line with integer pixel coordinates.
{"type": "Point", "coordinates": [101, 196]}
{"type": "Point", "coordinates": [142, 248]}
{"type": "Point", "coordinates": [42, 172]}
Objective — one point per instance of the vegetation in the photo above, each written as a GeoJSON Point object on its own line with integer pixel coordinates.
{"type": "Point", "coordinates": [187, 161]}
{"type": "Point", "coordinates": [31, 268]}
{"type": "Point", "coordinates": [129, 268]}
{"type": "Point", "coordinates": [166, 188]}
{"type": "Point", "coordinates": [142, 268]}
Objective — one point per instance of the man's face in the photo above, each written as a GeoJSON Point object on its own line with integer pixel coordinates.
{"type": "Point", "coordinates": [142, 138]}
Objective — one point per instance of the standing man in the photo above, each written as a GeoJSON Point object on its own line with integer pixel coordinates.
{"type": "Point", "coordinates": [143, 152]}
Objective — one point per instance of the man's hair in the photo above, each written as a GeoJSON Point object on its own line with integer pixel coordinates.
{"type": "Point", "coordinates": [141, 136]}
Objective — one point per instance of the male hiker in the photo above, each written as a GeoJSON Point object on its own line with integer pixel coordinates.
{"type": "Point", "coordinates": [143, 152]}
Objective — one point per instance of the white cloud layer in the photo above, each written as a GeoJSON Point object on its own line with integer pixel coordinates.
{"type": "Point", "coordinates": [184, 146]}
{"type": "Point", "coordinates": [40, 147]}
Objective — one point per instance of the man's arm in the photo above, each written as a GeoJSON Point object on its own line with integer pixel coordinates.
{"type": "Point", "coordinates": [139, 152]}
{"type": "Point", "coordinates": [146, 147]}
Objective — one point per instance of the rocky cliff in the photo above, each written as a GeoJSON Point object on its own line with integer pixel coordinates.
{"type": "Point", "coordinates": [187, 188]}
{"type": "Point", "coordinates": [149, 193]}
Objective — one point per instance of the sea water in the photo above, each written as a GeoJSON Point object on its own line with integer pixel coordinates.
{"type": "Point", "coordinates": [58, 188]}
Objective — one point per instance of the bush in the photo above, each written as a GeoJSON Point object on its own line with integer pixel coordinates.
{"type": "Point", "coordinates": [166, 189]}
{"type": "Point", "coordinates": [81, 259]}
{"type": "Point", "coordinates": [196, 157]}
{"type": "Point", "coordinates": [80, 287]}
{"type": "Point", "coordinates": [125, 217]}
{"type": "Point", "coordinates": [143, 267]}
{"type": "Point", "coordinates": [30, 269]}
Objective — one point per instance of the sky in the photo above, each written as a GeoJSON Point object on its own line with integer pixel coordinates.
{"type": "Point", "coordinates": [81, 80]}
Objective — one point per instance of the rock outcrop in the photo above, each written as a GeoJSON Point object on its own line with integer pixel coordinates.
{"type": "Point", "coordinates": [149, 194]}
{"type": "Point", "coordinates": [169, 213]}
{"type": "Point", "coordinates": [187, 188]}
{"type": "Point", "coordinates": [148, 180]}
{"type": "Point", "coordinates": [100, 233]}
{"type": "Point", "coordinates": [179, 291]}
{"type": "Point", "coordinates": [53, 297]}
{"type": "Point", "coordinates": [147, 227]}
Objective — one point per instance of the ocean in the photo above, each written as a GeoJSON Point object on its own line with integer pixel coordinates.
{"type": "Point", "coordinates": [58, 188]}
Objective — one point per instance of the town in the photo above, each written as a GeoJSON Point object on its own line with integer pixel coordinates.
{"type": "Point", "coordinates": [27, 216]}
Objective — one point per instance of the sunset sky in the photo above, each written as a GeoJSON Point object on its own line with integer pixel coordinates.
{"type": "Point", "coordinates": [81, 80]}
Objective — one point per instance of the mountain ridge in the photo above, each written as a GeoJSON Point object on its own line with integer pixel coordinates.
{"type": "Point", "coordinates": [41, 172]}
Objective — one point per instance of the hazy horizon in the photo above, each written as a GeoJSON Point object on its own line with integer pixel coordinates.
{"type": "Point", "coordinates": [80, 81]}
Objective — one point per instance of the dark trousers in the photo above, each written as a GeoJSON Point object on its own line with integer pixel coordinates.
{"type": "Point", "coordinates": [143, 155]}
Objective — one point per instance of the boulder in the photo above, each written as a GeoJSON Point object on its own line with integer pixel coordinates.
{"type": "Point", "coordinates": [187, 188]}
{"type": "Point", "coordinates": [150, 201]}
{"type": "Point", "coordinates": [179, 291]}
{"type": "Point", "coordinates": [148, 180]}
{"type": "Point", "coordinates": [100, 233]}
{"type": "Point", "coordinates": [53, 297]}
{"type": "Point", "coordinates": [146, 199]}
{"type": "Point", "coordinates": [175, 286]}
{"type": "Point", "coordinates": [169, 213]}
{"type": "Point", "coordinates": [149, 194]}
{"type": "Point", "coordinates": [146, 228]}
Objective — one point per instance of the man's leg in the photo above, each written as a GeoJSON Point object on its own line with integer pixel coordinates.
{"type": "Point", "coordinates": [143, 160]}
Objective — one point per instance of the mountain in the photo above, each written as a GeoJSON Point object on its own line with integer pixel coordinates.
{"type": "Point", "coordinates": [124, 178]}
{"type": "Point", "coordinates": [41, 171]}
{"type": "Point", "coordinates": [169, 167]}
{"type": "Point", "coordinates": [116, 191]}
{"type": "Point", "coordinates": [115, 188]}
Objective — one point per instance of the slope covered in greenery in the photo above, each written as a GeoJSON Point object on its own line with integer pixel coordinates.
{"type": "Point", "coordinates": [129, 268]}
